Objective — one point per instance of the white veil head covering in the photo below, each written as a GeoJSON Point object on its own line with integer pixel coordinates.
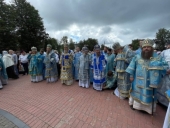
{"type": "Point", "coordinates": [4, 52]}
{"type": "Point", "coordinates": [7, 59]}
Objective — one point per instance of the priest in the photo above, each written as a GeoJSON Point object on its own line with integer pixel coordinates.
{"type": "Point", "coordinates": [145, 74]}
{"type": "Point", "coordinates": [98, 67]}
{"type": "Point", "coordinates": [84, 68]}
{"type": "Point", "coordinates": [51, 72]}
{"type": "Point", "coordinates": [65, 62]}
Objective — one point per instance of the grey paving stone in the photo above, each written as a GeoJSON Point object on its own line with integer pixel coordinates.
{"type": "Point", "coordinates": [9, 116]}
{"type": "Point", "coordinates": [2, 112]}
{"type": "Point", "coordinates": [5, 123]}
{"type": "Point", "coordinates": [18, 123]}
{"type": "Point", "coordinates": [7, 120]}
{"type": "Point", "coordinates": [26, 127]}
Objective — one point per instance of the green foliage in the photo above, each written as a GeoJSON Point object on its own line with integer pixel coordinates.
{"type": "Point", "coordinates": [90, 43]}
{"type": "Point", "coordinates": [102, 46]}
{"type": "Point", "coordinates": [8, 38]}
{"type": "Point", "coordinates": [71, 44]}
{"type": "Point", "coordinates": [29, 25]}
{"type": "Point", "coordinates": [64, 40]}
{"type": "Point", "coordinates": [54, 42]}
{"type": "Point", "coordinates": [21, 27]}
{"type": "Point", "coordinates": [135, 44]}
{"type": "Point", "coordinates": [162, 36]}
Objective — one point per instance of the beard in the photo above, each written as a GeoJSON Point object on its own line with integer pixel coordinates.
{"type": "Point", "coordinates": [147, 54]}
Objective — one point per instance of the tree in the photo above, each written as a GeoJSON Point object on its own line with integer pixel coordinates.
{"type": "Point", "coordinates": [162, 36]}
{"type": "Point", "coordinates": [90, 43]}
{"type": "Point", "coordinates": [71, 44]}
{"type": "Point", "coordinates": [29, 25]}
{"type": "Point", "coordinates": [64, 40]}
{"type": "Point", "coordinates": [8, 38]}
{"type": "Point", "coordinates": [55, 44]}
{"type": "Point", "coordinates": [135, 44]}
{"type": "Point", "coordinates": [102, 46]}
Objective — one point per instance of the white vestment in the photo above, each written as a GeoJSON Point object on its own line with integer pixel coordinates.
{"type": "Point", "coordinates": [140, 106]}
{"type": "Point", "coordinates": [7, 59]}
{"type": "Point", "coordinates": [167, 118]}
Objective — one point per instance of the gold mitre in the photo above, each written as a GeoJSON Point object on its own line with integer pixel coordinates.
{"type": "Point", "coordinates": [147, 42]}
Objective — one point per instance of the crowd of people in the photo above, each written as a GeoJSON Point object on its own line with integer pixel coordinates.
{"type": "Point", "coordinates": [142, 76]}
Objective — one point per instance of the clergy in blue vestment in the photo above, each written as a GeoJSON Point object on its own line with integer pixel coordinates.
{"type": "Point", "coordinates": [3, 74]}
{"type": "Point", "coordinates": [91, 71]}
{"type": "Point", "coordinates": [35, 65]}
{"type": "Point", "coordinates": [76, 62]}
{"type": "Point", "coordinates": [42, 56]}
{"type": "Point", "coordinates": [165, 83]}
{"type": "Point", "coordinates": [122, 60]}
{"type": "Point", "coordinates": [51, 72]}
{"type": "Point", "coordinates": [71, 52]}
{"type": "Point", "coordinates": [110, 61]}
{"type": "Point", "coordinates": [110, 80]}
{"type": "Point", "coordinates": [145, 73]}
{"type": "Point", "coordinates": [98, 66]}
{"type": "Point", "coordinates": [84, 68]}
{"type": "Point", "coordinates": [167, 117]}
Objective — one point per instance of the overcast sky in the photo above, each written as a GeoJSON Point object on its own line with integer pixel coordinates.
{"type": "Point", "coordinates": [105, 20]}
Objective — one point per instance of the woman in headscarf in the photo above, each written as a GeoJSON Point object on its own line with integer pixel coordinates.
{"type": "Point", "coordinates": [9, 65]}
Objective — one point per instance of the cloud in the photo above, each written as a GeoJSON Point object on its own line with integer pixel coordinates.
{"type": "Point", "coordinates": [105, 30]}
{"type": "Point", "coordinates": [117, 20]}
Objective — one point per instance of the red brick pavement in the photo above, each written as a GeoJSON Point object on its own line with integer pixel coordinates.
{"type": "Point", "coordinates": [42, 105]}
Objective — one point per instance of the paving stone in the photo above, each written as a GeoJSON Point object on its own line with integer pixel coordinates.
{"type": "Point", "coordinates": [7, 120]}
{"type": "Point", "coordinates": [53, 105]}
{"type": "Point", "coordinates": [5, 123]}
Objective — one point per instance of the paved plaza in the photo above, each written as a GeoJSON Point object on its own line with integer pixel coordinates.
{"type": "Point", "coordinates": [5, 123]}
{"type": "Point", "coordinates": [42, 105]}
